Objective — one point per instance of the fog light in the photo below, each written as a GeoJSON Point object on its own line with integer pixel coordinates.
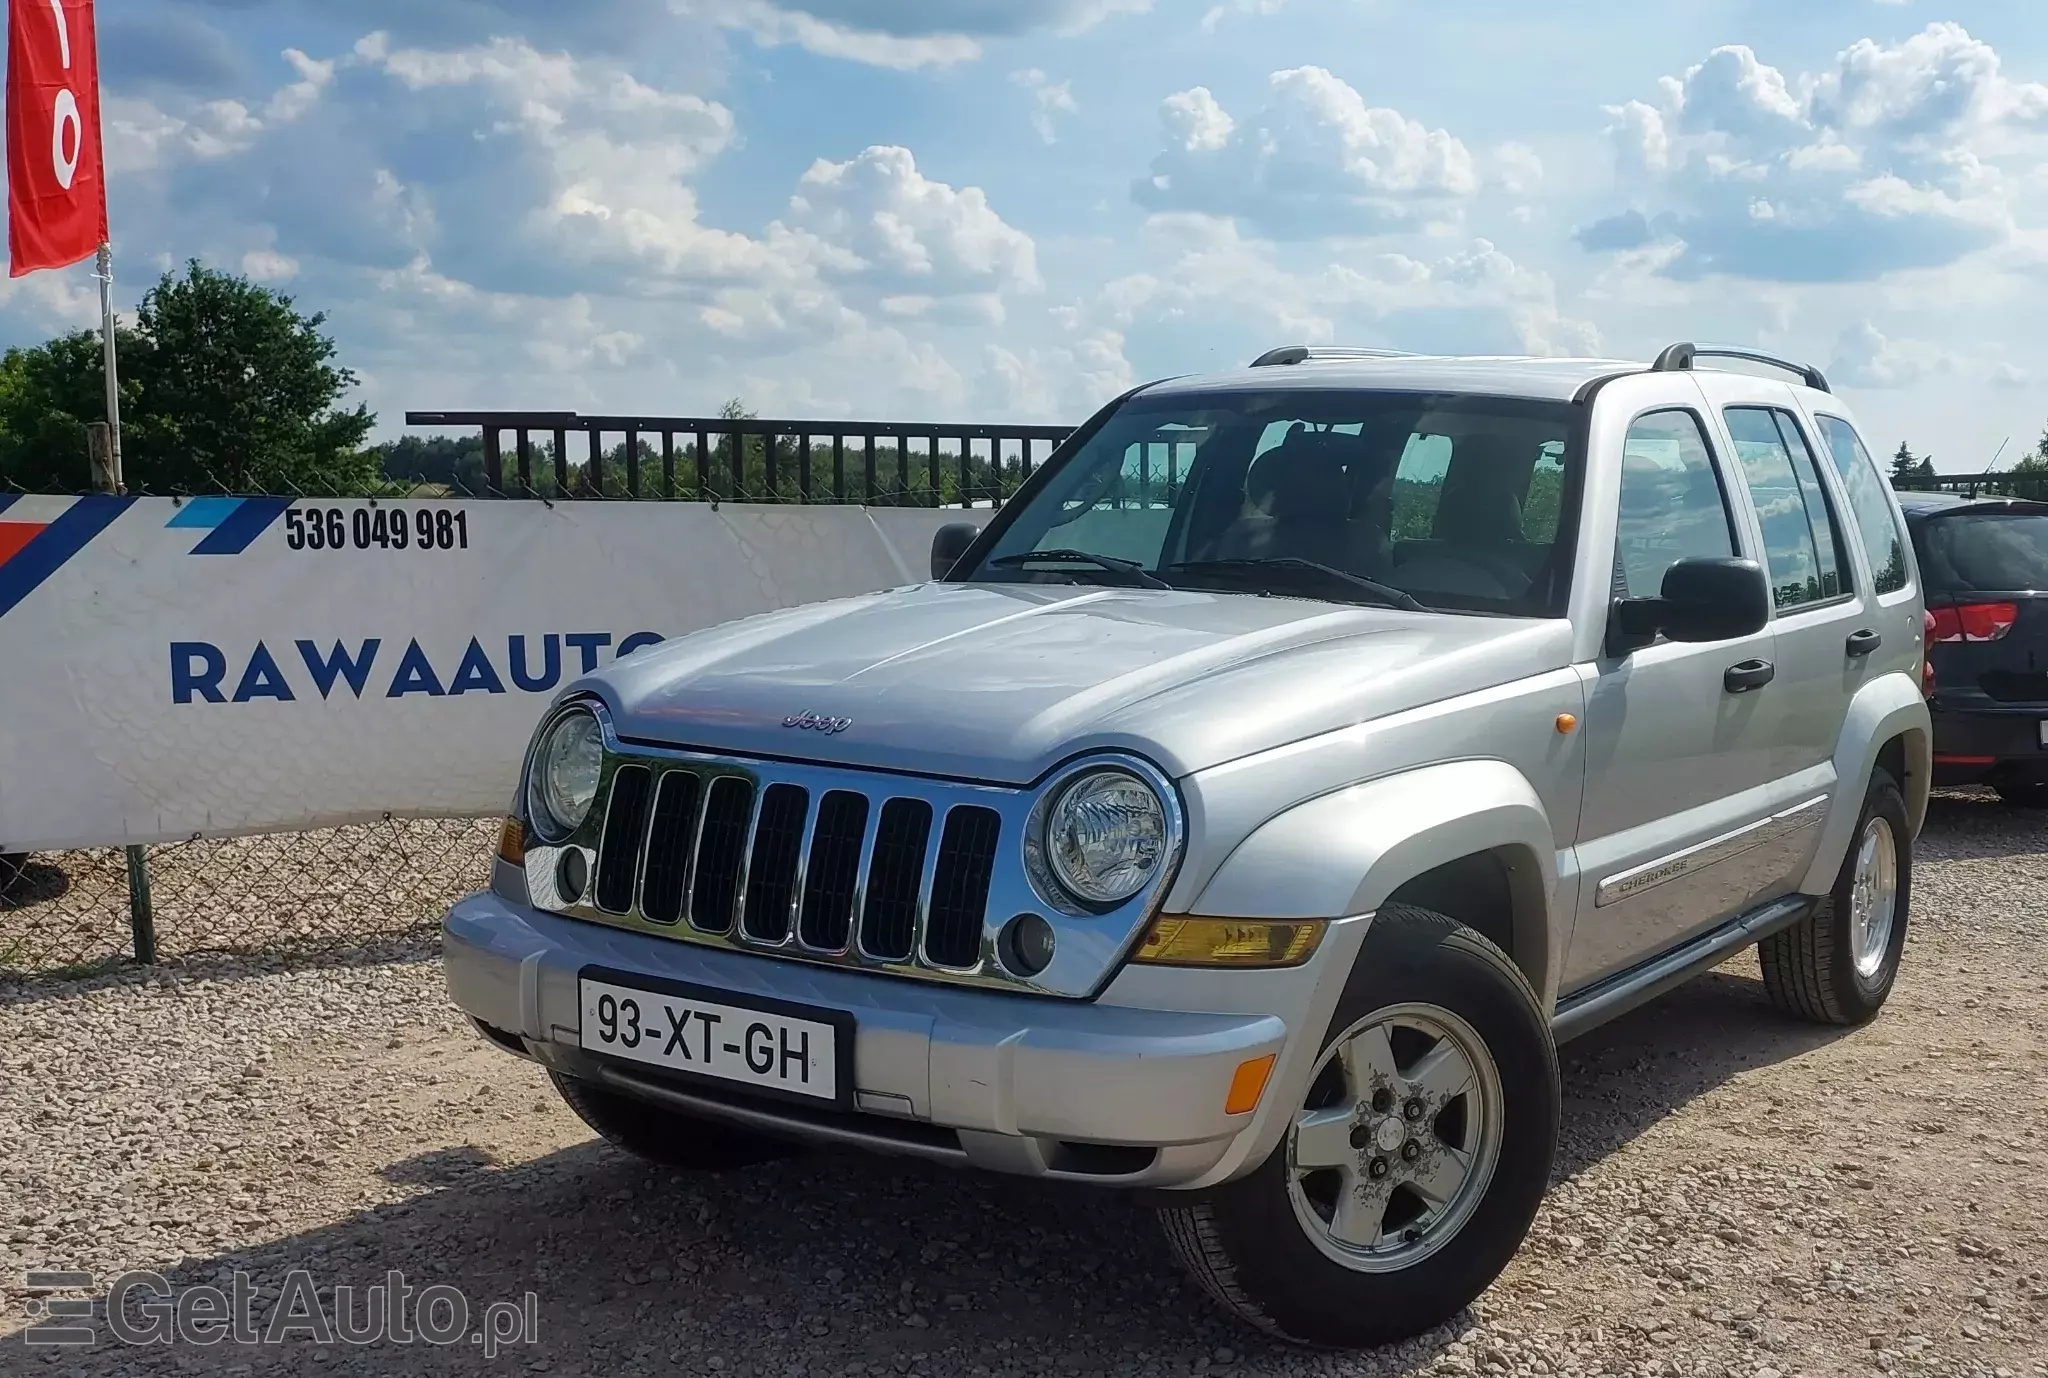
{"type": "Point", "coordinates": [1026, 945]}
{"type": "Point", "coordinates": [1185, 942]}
{"type": "Point", "coordinates": [572, 873]}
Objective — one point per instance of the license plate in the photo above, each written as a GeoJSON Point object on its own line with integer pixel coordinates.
{"type": "Point", "coordinates": [790, 1050]}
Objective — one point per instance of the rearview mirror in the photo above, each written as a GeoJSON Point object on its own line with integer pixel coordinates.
{"type": "Point", "coordinates": [1704, 598]}
{"type": "Point", "coordinates": [949, 543]}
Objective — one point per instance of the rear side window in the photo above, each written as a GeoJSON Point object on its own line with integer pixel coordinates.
{"type": "Point", "coordinates": [1868, 499]}
{"type": "Point", "coordinates": [1994, 553]}
{"type": "Point", "coordinates": [1801, 544]}
{"type": "Point", "coordinates": [1672, 504]}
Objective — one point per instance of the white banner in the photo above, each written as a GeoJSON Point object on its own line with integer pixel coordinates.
{"type": "Point", "coordinates": [235, 665]}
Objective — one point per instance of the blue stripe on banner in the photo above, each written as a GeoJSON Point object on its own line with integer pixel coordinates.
{"type": "Point", "coordinates": [56, 543]}
{"type": "Point", "coordinates": [203, 512]}
{"type": "Point", "coordinates": [242, 526]}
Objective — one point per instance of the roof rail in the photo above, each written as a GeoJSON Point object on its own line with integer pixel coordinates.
{"type": "Point", "coordinates": [1680, 357]}
{"type": "Point", "coordinates": [1298, 354]}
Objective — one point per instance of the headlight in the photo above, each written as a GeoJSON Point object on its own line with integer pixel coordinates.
{"type": "Point", "coordinates": [1105, 837]}
{"type": "Point", "coordinates": [565, 771]}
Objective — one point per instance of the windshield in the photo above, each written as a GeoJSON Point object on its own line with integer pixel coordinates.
{"type": "Point", "coordinates": [1454, 502]}
{"type": "Point", "coordinates": [1990, 554]}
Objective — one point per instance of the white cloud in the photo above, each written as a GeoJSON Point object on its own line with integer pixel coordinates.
{"type": "Point", "coordinates": [1048, 98]}
{"type": "Point", "coordinates": [267, 265]}
{"type": "Point", "coordinates": [888, 34]}
{"type": "Point", "coordinates": [1896, 157]}
{"type": "Point", "coordinates": [1865, 358]}
{"type": "Point", "coordinates": [883, 221]}
{"type": "Point", "coordinates": [1208, 282]}
{"type": "Point", "coordinates": [1216, 14]}
{"type": "Point", "coordinates": [1315, 160]}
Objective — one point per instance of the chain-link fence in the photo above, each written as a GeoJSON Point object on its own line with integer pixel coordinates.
{"type": "Point", "coordinates": [69, 913]}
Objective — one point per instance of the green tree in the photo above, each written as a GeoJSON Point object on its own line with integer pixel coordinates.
{"type": "Point", "coordinates": [225, 387]}
{"type": "Point", "coordinates": [2035, 461]}
{"type": "Point", "coordinates": [1905, 464]}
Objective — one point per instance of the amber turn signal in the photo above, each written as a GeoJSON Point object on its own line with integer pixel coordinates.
{"type": "Point", "coordinates": [512, 843]}
{"type": "Point", "coordinates": [1177, 941]}
{"type": "Point", "coordinates": [1565, 723]}
{"type": "Point", "coordinates": [1248, 1084]}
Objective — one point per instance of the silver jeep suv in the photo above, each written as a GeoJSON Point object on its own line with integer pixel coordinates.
{"type": "Point", "coordinates": [1248, 811]}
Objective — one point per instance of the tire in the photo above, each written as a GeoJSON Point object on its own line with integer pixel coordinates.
{"type": "Point", "coordinates": [1831, 967]}
{"type": "Point", "coordinates": [666, 1137]}
{"type": "Point", "coordinates": [1262, 1245]}
{"type": "Point", "coordinates": [2017, 793]}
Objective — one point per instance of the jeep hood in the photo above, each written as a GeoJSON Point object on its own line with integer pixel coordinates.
{"type": "Point", "coordinates": [1000, 682]}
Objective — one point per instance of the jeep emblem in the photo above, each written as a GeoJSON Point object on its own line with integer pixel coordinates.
{"type": "Point", "coordinates": [813, 723]}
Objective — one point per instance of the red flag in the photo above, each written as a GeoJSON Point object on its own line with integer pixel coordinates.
{"type": "Point", "coordinates": [56, 186]}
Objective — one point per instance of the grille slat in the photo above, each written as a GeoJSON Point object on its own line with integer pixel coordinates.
{"type": "Point", "coordinates": [625, 823]}
{"type": "Point", "coordinates": [721, 853]}
{"type": "Point", "coordinates": [772, 868]}
{"type": "Point", "coordinates": [888, 928]}
{"type": "Point", "coordinates": [966, 861]}
{"type": "Point", "coordinates": [833, 874]}
{"type": "Point", "coordinates": [670, 840]}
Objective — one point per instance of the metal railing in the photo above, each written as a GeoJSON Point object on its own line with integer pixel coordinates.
{"type": "Point", "coordinates": [709, 459]}
{"type": "Point", "coordinates": [2031, 486]}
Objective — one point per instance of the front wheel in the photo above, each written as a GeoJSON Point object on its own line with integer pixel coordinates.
{"type": "Point", "coordinates": [1416, 1156]}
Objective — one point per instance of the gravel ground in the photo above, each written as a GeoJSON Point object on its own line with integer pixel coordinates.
{"type": "Point", "coordinates": [1737, 1194]}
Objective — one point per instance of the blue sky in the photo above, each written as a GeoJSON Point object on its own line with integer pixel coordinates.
{"type": "Point", "coordinates": [1015, 208]}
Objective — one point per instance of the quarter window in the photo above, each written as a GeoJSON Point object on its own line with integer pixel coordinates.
{"type": "Point", "coordinates": [1869, 500]}
{"type": "Point", "coordinates": [1802, 544]}
{"type": "Point", "coordinates": [1672, 504]}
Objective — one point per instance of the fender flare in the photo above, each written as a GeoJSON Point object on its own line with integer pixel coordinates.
{"type": "Point", "coordinates": [1887, 707]}
{"type": "Point", "coordinates": [1345, 853]}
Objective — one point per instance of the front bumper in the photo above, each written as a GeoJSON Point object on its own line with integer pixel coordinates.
{"type": "Point", "coordinates": [1099, 1091]}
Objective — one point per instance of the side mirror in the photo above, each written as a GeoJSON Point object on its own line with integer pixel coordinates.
{"type": "Point", "coordinates": [1704, 598]}
{"type": "Point", "coordinates": [949, 543]}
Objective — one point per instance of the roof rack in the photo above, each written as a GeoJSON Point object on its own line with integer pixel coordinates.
{"type": "Point", "coordinates": [1680, 357]}
{"type": "Point", "coordinates": [1299, 354]}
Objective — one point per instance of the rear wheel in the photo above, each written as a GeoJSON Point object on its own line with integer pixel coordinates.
{"type": "Point", "coordinates": [1837, 965]}
{"type": "Point", "coordinates": [1416, 1157]}
{"type": "Point", "coordinates": [663, 1136]}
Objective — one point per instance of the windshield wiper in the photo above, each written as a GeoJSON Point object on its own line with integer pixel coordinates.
{"type": "Point", "coordinates": [1304, 572]}
{"type": "Point", "coordinates": [1129, 570]}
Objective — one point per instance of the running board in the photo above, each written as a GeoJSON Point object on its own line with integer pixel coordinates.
{"type": "Point", "coordinates": [1622, 992]}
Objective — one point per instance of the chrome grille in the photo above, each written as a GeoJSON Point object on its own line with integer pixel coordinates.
{"type": "Point", "coordinates": [888, 928]}
{"type": "Point", "coordinates": [618, 855]}
{"type": "Point", "coordinates": [670, 840]}
{"type": "Point", "coordinates": [772, 869]}
{"type": "Point", "coordinates": [832, 879]}
{"type": "Point", "coordinates": [967, 857]}
{"type": "Point", "coordinates": [721, 851]}
{"type": "Point", "coordinates": [838, 865]}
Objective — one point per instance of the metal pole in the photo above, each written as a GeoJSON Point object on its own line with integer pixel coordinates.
{"type": "Point", "coordinates": [141, 916]}
{"type": "Point", "coordinates": [104, 271]}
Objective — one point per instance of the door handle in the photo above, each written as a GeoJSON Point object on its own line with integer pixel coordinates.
{"type": "Point", "coordinates": [1749, 675]}
{"type": "Point", "coordinates": [1863, 643]}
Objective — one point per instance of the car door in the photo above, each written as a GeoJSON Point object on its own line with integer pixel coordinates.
{"type": "Point", "coordinates": [1829, 629]}
{"type": "Point", "coordinates": [1678, 766]}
